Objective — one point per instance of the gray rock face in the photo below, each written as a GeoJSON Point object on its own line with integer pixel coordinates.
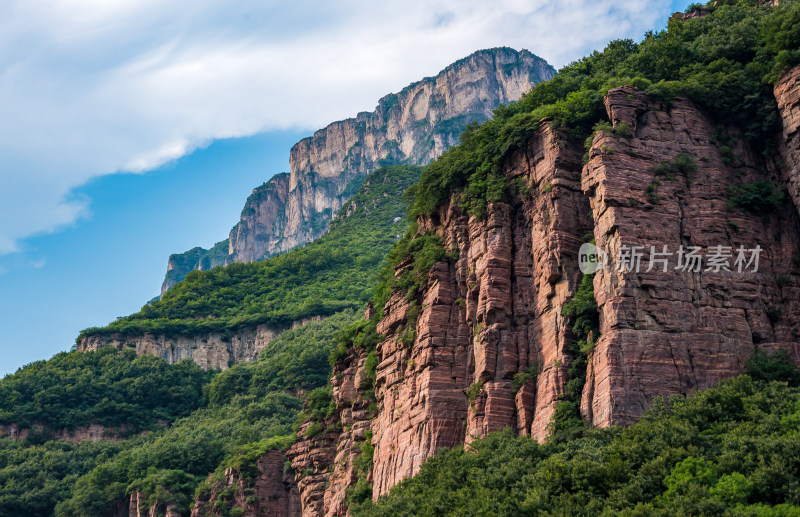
{"type": "Point", "coordinates": [413, 127]}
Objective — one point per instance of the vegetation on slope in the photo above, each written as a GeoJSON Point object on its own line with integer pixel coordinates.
{"type": "Point", "coordinates": [248, 408]}
{"type": "Point", "coordinates": [224, 414]}
{"type": "Point", "coordinates": [582, 309]}
{"type": "Point", "coordinates": [104, 387]}
{"type": "Point", "coordinates": [725, 62]}
{"type": "Point", "coordinates": [168, 464]}
{"type": "Point", "coordinates": [336, 272]}
{"type": "Point", "coordinates": [33, 479]}
{"type": "Point", "coordinates": [731, 450]}
{"type": "Point", "coordinates": [295, 361]}
{"type": "Point", "coordinates": [181, 456]}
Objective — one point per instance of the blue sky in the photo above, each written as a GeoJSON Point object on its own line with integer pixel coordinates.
{"type": "Point", "coordinates": [133, 129]}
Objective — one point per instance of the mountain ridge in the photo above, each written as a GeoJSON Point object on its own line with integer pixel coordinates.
{"type": "Point", "coordinates": [410, 127]}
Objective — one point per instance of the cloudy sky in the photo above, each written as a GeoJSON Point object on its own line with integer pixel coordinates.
{"type": "Point", "coordinates": [90, 89]}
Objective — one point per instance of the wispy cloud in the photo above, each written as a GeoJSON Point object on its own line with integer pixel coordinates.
{"type": "Point", "coordinates": [92, 87]}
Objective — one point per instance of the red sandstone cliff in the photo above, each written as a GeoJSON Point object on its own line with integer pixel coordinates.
{"type": "Point", "coordinates": [675, 332]}
{"type": "Point", "coordinates": [787, 93]}
{"type": "Point", "coordinates": [271, 494]}
{"type": "Point", "coordinates": [495, 311]}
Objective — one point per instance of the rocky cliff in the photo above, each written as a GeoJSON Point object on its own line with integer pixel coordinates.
{"type": "Point", "coordinates": [492, 348]}
{"type": "Point", "coordinates": [787, 93]}
{"type": "Point", "coordinates": [90, 433]}
{"type": "Point", "coordinates": [210, 351]}
{"type": "Point", "coordinates": [413, 126]}
{"type": "Point", "coordinates": [137, 507]}
{"type": "Point", "coordinates": [272, 493]}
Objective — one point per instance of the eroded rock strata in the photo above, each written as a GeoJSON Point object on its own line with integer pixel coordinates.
{"type": "Point", "coordinates": [678, 331]}
{"type": "Point", "coordinates": [138, 507]}
{"type": "Point", "coordinates": [210, 351]}
{"type": "Point", "coordinates": [272, 493]}
{"type": "Point", "coordinates": [324, 462]}
{"type": "Point", "coordinates": [787, 93]}
{"type": "Point", "coordinates": [495, 311]}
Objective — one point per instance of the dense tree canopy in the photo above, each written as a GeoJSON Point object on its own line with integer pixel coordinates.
{"type": "Point", "coordinates": [227, 418]}
{"type": "Point", "coordinates": [76, 389]}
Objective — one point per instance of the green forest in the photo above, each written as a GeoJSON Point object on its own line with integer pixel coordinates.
{"type": "Point", "coordinates": [726, 63]}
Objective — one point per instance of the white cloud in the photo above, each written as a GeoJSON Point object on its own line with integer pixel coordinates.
{"type": "Point", "coordinates": [93, 87]}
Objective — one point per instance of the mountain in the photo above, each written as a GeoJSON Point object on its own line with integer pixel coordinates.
{"type": "Point", "coordinates": [229, 315]}
{"type": "Point", "coordinates": [487, 322]}
{"type": "Point", "coordinates": [460, 361]}
{"type": "Point", "coordinates": [411, 127]}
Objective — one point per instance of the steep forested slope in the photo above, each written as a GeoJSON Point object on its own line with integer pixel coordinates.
{"type": "Point", "coordinates": [333, 273]}
{"type": "Point", "coordinates": [255, 403]}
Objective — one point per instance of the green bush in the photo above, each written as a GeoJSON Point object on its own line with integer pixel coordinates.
{"type": "Point", "coordinates": [583, 313]}
{"type": "Point", "coordinates": [362, 466]}
{"type": "Point", "coordinates": [684, 163]}
{"type": "Point", "coordinates": [295, 360]}
{"type": "Point", "coordinates": [759, 197]}
{"type": "Point", "coordinates": [473, 391]}
{"type": "Point", "coordinates": [775, 367]}
{"type": "Point", "coordinates": [161, 488]}
{"type": "Point", "coordinates": [522, 378]}
{"type": "Point", "coordinates": [319, 404]}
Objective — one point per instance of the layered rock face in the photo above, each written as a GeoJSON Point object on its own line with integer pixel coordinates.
{"type": "Point", "coordinates": [490, 314]}
{"type": "Point", "coordinates": [137, 507]}
{"type": "Point", "coordinates": [261, 217]}
{"type": "Point", "coordinates": [325, 463]}
{"type": "Point", "coordinates": [209, 351]}
{"type": "Point", "coordinates": [787, 93]}
{"type": "Point", "coordinates": [90, 433]}
{"type": "Point", "coordinates": [271, 494]}
{"type": "Point", "coordinates": [491, 348]}
{"type": "Point", "coordinates": [412, 127]}
{"type": "Point", "coordinates": [678, 331]}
